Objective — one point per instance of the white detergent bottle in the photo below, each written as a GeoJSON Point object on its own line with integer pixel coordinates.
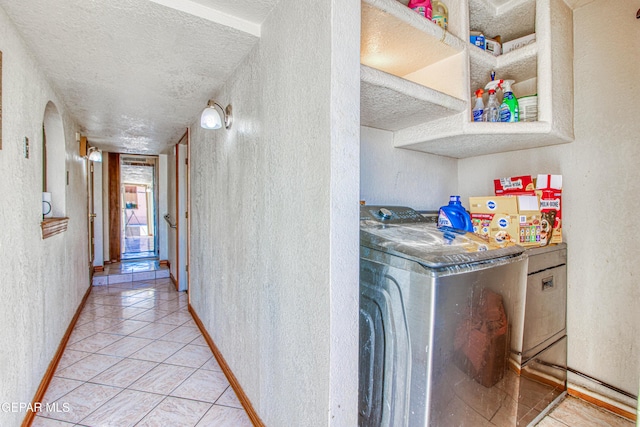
{"type": "Point", "coordinates": [478, 110]}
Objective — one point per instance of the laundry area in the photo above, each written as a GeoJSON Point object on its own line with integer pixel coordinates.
{"type": "Point", "coordinates": [465, 306]}
{"type": "Point", "coordinates": [455, 328]}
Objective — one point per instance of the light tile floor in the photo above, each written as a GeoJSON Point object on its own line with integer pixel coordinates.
{"type": "Point", "coordinates": [572, 412]}
{"type": "Point", "coordinates": [136, 358]}
{"type": "Point", "coordinates": [129, 271]}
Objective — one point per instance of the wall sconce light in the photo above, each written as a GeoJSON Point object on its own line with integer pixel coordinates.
{"type": "Point", "coordinates": [210, 118]}
{"type": "Point", "coordinates": [95, 155]}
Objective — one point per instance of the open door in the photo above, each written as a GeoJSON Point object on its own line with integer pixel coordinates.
{"type": "Point", "coordinates": [180, 202]}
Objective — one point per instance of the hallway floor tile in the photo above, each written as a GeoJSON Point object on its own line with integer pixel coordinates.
{"type": "Point", "coordinates": [136, 358]}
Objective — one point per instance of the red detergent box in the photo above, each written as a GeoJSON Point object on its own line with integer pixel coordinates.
{"type": "Point", "coordinates": [549, 189]}
{"type": "Point", "coordinates": [514, 186]}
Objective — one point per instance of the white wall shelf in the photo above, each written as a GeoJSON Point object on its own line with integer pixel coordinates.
{"type": "Point", "coordinates": [392, 103]}
{"type": "Point", "coordinates": [417, 80]}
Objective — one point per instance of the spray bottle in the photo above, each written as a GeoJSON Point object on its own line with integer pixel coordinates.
{"type": "Point", "coordinates": [492, 112]}
{"type": "Point", "coordinates": [423, 7]}
{"type": "Point", "coordinates": [478, 110]}
{"type": "Point", "coordinates": [509, 109]}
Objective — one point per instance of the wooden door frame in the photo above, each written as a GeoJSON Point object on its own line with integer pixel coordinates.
{"type": "Point", "coordinates": [182, 228]}
{"type": "Point", "coordinates": [114, 208]}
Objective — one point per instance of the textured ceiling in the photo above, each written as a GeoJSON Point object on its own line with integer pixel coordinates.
{"type": "Point", "coordinates": [135, 73]}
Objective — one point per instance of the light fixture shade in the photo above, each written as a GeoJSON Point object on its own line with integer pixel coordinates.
{"type": "Point", "coordinates": [210, 118]}
{"type": "Point", "coordinates": [95, 156]}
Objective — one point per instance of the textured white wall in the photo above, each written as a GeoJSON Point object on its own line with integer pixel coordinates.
{"type": "Point", "coordinates": [601, 182]}
{"type": "Point", "coordinates": [396, 176]}
{"type": "Point", "coordinates": [41, 281]}
{"type": "Point", "coordinates": [274, 255]}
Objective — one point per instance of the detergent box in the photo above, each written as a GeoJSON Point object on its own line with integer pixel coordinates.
{"type": "Point", "coordinates": [514, 219]}
{"type": "Point", "coordinates": [549, 189]}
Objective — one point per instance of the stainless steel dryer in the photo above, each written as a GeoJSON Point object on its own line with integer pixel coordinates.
{"type": "Point", "coordinates": [441, 320]}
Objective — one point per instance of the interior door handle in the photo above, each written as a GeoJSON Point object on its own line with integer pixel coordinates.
{"type": "Point", "coordinates": [92, 215]}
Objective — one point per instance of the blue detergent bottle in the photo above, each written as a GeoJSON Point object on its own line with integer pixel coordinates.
{"type": "Point", "coordinates": [455, 216]}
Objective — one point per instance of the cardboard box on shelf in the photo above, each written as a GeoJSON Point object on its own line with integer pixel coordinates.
{"type": "Point", "coordinates": [514, 219]}
{"type": "Point", "coordinates": [514, 185]}
{"type": "Point", "coordinates": [477, 38]}
{"type": "Point", "coordinates": [549, 189]}
{"type": "Point", "coordinates": [518, 43]}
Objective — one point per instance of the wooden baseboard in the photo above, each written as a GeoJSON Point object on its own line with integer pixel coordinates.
{"type": "Point", "coordinates": [242, 397]}
{"type": "Point", "coordinates": [48, 375]}
{"type": "Point", "coordinates": [164, 263]}
{"type": "Point", "coordinates": [605, 405]}
{"type": "Point", "coordinates": [174, 281]}
{"type": "Point", "coordinates": [98, 269]}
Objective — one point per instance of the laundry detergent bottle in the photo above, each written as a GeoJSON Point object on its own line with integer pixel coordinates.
{"type": "Point", "coordinates": [439, 14]}
{"type": "Point", "coordinates": [423, 7]}
{"type": "Point", "coordinates": [455, 216]}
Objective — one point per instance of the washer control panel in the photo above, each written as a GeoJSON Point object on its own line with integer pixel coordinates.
{"type": "Point", "coordinates": [391, 214]}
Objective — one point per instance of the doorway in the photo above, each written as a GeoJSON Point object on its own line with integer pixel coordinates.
{"type": "Point", "coordinates": [138, 196]}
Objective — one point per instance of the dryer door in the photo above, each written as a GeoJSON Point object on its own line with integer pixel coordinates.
{"type": "Point", "coordinates": [385, 353]}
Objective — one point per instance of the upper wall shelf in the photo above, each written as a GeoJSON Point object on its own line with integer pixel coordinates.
{"type": "Point", "coordinates": [397, 40]}
{"type": "Point", "coordinates": [417, 79]}
{"type": "Point", "coordinates": [392, 103]}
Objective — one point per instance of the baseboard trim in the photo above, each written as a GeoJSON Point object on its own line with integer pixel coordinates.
{"type": "Point", "coordinates": [48, 375]}
{"type": "Point", "coordinates": [595, 400]}
{"type": "Point", "coordinates": [174, 281]}
{"type": "Point", "coordinates": [164, 263]}
{"type": "Point", "coordinates": [98, 268]}
{"type": "Point", "coordinates": [242, 397]}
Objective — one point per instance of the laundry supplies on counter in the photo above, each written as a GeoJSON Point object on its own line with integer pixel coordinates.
{"type": "Point", "coordinates": [545, 190]}
{"type": "Point", "coordinates": [454, 216]}
{"type": "Point", "coordinates": [549, 188]}
{"type": "Point", "coordinates": [507, 218]}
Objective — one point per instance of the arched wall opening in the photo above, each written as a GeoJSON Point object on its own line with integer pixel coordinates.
{"type": "Point", "coordinates": [54, 160]}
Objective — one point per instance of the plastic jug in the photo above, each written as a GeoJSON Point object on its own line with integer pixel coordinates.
{"type": "Point", "coordinates": [439, 14]}
{"type": "Point", "coordinates": [423, 7]}
{"type": "Point", "coordinates": [455, 216]}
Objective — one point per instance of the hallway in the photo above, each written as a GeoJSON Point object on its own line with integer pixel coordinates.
{"type": "Point", "coordinates": [136, 358]}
